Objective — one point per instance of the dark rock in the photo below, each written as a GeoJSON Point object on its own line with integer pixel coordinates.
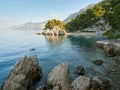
{"type": "Point", "coordinates": [87, 83]}
{"type": "Point", "coordinates": [110, 50]}
{"type": "Point", "coordinates": [99, 83]}
{"type": "Point", "coordinates": [79, 70]}
{"type": "Point", "coordinates": [94, 85]}
{"type": "Point", "coordinates": [42, 88]}
{"type": "Point", "coordinates": [25, 73]}
{"type": "Point", "coordinates": [33, 49]}
{"type": "Point", "coordinates": [98, 62]}
{"type": "Point", "coordinates": [61, 32]}
{"type": "Point", "coordinates": [60, 77]}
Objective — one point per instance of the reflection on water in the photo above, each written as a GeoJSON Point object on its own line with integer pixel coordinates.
{"type": "Point", "coordinates": [51, 51]}
{"type": "Point", "coordinates": [55, 41]}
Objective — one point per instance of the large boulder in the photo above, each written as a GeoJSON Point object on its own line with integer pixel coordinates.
{"type": "Point", "coordinates": [101, 44]}
{"type": "Point", "coordinates": [26, 72]}
{"type": "Point", "coordinates": [99, 83]}
{"type": "Point", "coordinates": [109, 49]}
{"type": "Point", "coordinates": [81, 83]}
{"type": "Point", "coordinates": [59, 78]}
{"type": "Point", "coordinates": [87, 83]}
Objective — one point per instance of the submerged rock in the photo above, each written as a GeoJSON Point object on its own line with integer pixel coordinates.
{"type": "Point", "coordinates": [79, 70]}
{"type": "Point", "coordinates": [98, 62]}
{"type": "Point", "coordinates": [59, 78]}
{"type": "Point", "coordinates": [33, 49]}
{"type": "Point", "coordinates": [26, 72]}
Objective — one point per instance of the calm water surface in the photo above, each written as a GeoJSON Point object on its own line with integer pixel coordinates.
{"type": "Point", "coordinates": [76, 50]}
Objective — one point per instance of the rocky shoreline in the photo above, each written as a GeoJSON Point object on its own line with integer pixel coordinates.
{"type": "Point", "coordinates": [111, 48]}
{"type": "Point", "coordinates": [27, 72]}
{"type": "Point", "coordinates": [52, 32]}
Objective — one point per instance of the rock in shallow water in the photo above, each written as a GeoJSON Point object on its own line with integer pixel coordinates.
{"type": "Point", "coordinates": [87, 83]}
{"type": "Point", "coordinates": [59, 78]}
{"type": "Point", "coordinates": [109, 50]}
{"type": "Point", "coordinates": [26, 72]}
{"type": "Point", "coordinates": [79, 70]}
{"type": "Point", "coordinates": [81, 83]}
{"type": "Point", "coordinates": [98, 62]}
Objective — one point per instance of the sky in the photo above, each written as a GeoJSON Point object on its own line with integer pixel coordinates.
{"type": "Point", "coordinates": [14, 12]}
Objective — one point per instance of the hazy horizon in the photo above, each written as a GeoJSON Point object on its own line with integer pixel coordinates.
{"type": "Point", "coordinates": [14, 12]}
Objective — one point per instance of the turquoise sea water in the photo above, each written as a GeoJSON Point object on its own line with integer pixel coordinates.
{"type": "Point", "coordinates": [76, 50]}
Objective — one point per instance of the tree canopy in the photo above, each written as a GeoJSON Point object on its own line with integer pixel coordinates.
{"type": "Point", "coordinates": [86, 18]}
{"type": "Point", "coordinates": [52, 23]}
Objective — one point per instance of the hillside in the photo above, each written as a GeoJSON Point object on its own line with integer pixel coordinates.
{"type": "Point", "coordinates": [76, 13]}
{"type": "Point", "coordinates": [108, 10]}
{"type": "Point", "coordinates": [29, 26]}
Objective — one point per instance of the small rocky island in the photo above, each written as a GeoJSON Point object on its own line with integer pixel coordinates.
{"type": "Point", "coordinates": [54, 28]}
{"type": "Point", "coordinates": [27, 72]}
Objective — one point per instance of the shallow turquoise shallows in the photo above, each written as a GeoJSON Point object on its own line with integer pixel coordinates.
{"type": "Point", "coordinates": [76, 50]}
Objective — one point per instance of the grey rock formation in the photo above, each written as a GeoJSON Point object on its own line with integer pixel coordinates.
{"type": "Point", "coordinates": [81, 83]}
{"type": "Point", "coordinates": [101, 44]}
{"type": "Point", "coordinates": [109, 50]}
{"type": "Point", "coordinates": [87, 83]}
{"type": "Point", "coordinates": [99, 83]}
{"type": "Point", "coordinates": [53, 32]}
{"type": "Point", "coordinates": [59, 78]}
{"type": "Point", "coordinates": [26, 72]}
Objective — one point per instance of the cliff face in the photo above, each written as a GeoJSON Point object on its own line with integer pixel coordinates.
{"type": "Point", "coordinates": [101, 24]}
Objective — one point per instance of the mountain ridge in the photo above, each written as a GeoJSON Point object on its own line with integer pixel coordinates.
{"type": "Point", "coordinates": [29, 26]}
{"type": "Point", "coordinates": [73, 15]}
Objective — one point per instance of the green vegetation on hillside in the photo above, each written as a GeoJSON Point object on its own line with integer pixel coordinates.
{"type": "Point", "coordinates": [107, 9]}
{"type": "Point", "coordinates": [86, 19]}
{"type": "Point", "coordinates": [52, 23]}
